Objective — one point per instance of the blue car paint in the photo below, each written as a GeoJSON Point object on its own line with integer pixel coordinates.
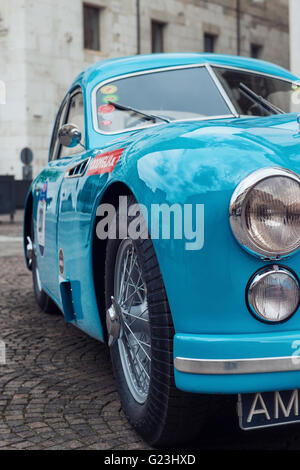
{"type": "Point", "coordinates": [245, 346]}
{"type": "Point", "coordinates": [198, 162]}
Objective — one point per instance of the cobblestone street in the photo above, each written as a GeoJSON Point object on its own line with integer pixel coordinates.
{"type": "Point", "coordinates": [57, 389]}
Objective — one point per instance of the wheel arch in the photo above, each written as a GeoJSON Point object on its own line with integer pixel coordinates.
{"type": "Point", "coordinates": [110, 196]}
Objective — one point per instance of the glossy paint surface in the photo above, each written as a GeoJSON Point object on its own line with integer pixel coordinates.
{"type": "Point", "coordinates": [193, 162]}
{"type": "Point", "coordinates": [245, 346]}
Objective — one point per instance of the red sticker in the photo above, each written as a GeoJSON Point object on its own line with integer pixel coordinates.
{"type": "Point", "coordinates": [106, 122]}
{"type": "Point", "coordinates": [106, 108]}
{"type": "Point", "coordinates": [104, 163]}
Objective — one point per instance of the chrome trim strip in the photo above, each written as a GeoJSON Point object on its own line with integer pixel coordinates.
{"type": "Point", "coordinates": [237, 366]}
{"type": "Point", "coordinates": [145, 72]}
{"type": "Point", "coordinates": [255, 72]}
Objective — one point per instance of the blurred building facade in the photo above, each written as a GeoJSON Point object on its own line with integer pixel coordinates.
{"type": "Point", "coordinates": [44, 44]}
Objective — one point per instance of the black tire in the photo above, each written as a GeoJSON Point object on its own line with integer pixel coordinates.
{"type": "Point", "coordinates": [43, 300]}
{"type": "Point", "coordinates": [168, 417]}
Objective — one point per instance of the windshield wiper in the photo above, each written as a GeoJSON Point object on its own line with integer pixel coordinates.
{"type": "Point", "coordinates": [260, 100]}
{"type": "Point", "coordinates": [150, 117]}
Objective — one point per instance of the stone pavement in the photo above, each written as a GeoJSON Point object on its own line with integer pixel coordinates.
{"type": "Point", "coordinates": [57, 390]}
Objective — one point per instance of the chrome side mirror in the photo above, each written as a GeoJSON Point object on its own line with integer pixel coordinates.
{"type": "Point", "coordinates": [69, 136]}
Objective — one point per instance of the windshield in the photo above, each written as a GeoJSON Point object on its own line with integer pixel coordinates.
{"type": "Point", "coordinates": [283, 95]}
{"type": "Point", "coordinates": [180, 94]}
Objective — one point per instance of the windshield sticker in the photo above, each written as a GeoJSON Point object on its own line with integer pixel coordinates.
{"type": "Point", "coordinates": [41, 218]}
{"type": "Point", "coordinates": [106, 109]}
{"type": "Point", "coordinates": [110, 98]}
{"type": "Point", "coordinates": [109, 89]}
{"type": "Point", "coordinates": [104, 162]}
{"type": "Point", "coordinates": [106, 123]}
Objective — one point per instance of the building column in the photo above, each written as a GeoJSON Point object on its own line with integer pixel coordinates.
{"type": "Point", "coordinates": [295, 36]}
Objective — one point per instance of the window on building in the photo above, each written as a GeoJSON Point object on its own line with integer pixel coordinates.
{"type": "Point", "coordinates": [256, 51]}
{"type": "Point", "coordinates": [91, 27]}
{"type": "Point", "coordinates": [158, 36]}
{"type": "Point", "coordinates": [209, 42]}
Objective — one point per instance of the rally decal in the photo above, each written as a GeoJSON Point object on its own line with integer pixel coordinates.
{"type": "Point", "coordinates": [106, 109]}
{"type": "Point", "coordinates": [106, 122]}
{"type": "Point", "coordinates": [110, 99]}
{"type": "Point", "coordinates": [109, 89]}
{"type": "Point", "coordinates": [41, 218]}
{"type": "Point", "coordinates": [104, 162]}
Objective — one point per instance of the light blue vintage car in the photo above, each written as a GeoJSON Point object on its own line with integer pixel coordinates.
{"type": "Point", "coordinates": [167, 224]}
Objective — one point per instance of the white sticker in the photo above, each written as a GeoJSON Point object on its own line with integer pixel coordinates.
{"type": "Point", "coordinates": [41, 219]}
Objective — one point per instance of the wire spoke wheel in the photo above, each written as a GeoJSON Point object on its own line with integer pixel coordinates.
{"type": "Point", "coordinates": [140, 334]}
{"type": "Point", "coordinates": [134, 342]}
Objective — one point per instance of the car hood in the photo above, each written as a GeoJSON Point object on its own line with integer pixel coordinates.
{"type": "Point", "coordinates": [212, 155]}
{"type": "Point", "coordinates": [276, 133]}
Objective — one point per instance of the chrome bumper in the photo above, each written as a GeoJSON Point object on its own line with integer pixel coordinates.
{"type": "Point", "coordinates": [237, 366]}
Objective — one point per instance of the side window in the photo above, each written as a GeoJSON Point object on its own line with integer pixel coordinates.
{"type": "Point", "coordinates": [58, 123]}
{"type": "Point", "coordinates": [75, 116]}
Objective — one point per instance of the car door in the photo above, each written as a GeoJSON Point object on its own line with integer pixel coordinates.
{"type": "Point", "coordinates": [49, 192]}
{"type": "Point", "coordinates": [72, 221]}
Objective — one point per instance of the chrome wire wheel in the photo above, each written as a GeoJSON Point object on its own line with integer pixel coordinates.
{"type": "Point", "coordinates": [140, 334]}
{"type": "Point", "coordinates": [134, 342]}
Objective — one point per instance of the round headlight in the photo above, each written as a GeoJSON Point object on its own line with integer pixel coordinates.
{"type": "Point", "coordinates": [265, 213]}
{"type": "Point", "coordinates": [273, 294]}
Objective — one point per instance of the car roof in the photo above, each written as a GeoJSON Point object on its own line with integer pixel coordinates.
{"type": "Point", "coordinates": [111, 68]}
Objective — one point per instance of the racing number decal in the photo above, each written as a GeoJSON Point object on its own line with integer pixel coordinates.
{"type": "Point", "coordinates": [41, 217]}
{"type": "Point", "coordinates": [104, 163]}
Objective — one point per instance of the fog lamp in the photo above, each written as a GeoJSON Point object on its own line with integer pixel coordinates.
{"type": "Point", "coordinates": [273, 294]}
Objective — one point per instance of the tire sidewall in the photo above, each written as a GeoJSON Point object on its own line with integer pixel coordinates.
{"type": "Point", "coordinates": [40, 295]}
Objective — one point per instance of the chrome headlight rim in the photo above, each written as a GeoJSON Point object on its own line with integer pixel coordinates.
{"type": "Point", "coordinates": [256, 277]}
{"type": "Point", "coordinates": [237, 211]}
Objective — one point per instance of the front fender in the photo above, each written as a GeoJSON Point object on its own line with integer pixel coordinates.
{"type": "Point", "coordinates": [205, 287]}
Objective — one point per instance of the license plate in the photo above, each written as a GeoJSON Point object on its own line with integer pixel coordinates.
{"type": "Point", "coordinates": [261, 410]}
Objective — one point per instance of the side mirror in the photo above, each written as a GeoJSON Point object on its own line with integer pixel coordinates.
{"type": "Point", "coordinates": [69, 136]}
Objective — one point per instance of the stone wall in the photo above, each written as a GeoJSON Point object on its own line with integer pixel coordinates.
{"type": "Point", "coordinates": [41, 52]}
